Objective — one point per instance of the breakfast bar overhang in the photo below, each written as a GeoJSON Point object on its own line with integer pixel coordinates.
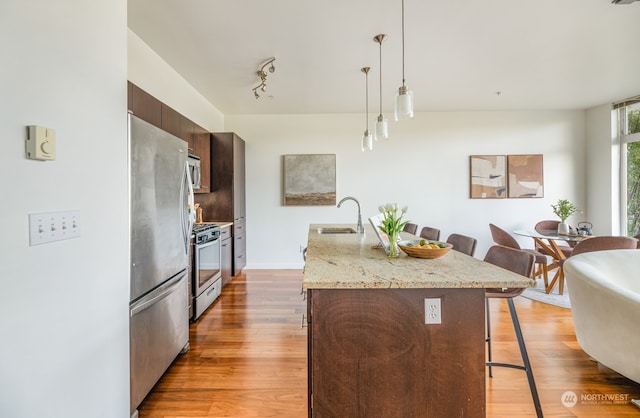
{"type": "Point", "coordinates": [371, 354]}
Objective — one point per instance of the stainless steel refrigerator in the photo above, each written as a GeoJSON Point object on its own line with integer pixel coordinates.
{"type": "Point", "coordinates": [161, 221]}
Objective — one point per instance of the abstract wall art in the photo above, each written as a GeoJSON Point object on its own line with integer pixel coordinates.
{"type": "Point", "coordinates": [488, 176]}
{"type": "Point", "coordinates": [525, 175]}
{"type": "Point", "coordinates": [309, 179]}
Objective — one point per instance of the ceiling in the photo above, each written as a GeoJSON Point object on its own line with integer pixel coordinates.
{"type": "Point", "coordinates": [459, 55]}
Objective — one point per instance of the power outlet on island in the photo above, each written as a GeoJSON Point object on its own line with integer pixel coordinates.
{"type": "Point", "coordinates": [432, 311]}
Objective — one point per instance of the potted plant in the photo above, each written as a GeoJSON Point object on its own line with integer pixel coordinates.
{"type": "Point", "coordinates": [563, 209]}
{"type": "Point", "coordinates": [392, 224]}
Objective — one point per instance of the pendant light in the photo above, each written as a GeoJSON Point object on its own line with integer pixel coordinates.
{"type": "Point", "coordinates": [382, 127]}
{"type": "Point", "coordinates": [404, 98]}
{"type": "Point", "coordinates": [367, 138]}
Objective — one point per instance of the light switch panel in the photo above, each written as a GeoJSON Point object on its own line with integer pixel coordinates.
{"type": "Point", "coordinates": [41, 143]}
{"type": "Point", "coordinates": [47, 227]}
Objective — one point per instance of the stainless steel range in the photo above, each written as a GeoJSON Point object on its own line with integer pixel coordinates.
{"type": "Point", "coordinates": [206, 272]}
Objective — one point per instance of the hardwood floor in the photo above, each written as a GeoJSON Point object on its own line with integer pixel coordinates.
{"type": "Point", "coordinates": [248, 359]}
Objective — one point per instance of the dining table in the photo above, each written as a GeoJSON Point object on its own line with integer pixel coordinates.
{"type": "Point", "coordinates": [549, 241]}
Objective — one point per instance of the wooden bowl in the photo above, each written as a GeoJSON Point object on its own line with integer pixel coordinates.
{"type": "Point", "coordinates": [414, 250]}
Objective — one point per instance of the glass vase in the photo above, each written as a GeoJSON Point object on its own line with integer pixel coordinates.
{"type": "Point", "coordinates": [394, 250]}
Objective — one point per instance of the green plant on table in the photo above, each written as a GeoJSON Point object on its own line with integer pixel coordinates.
{"type": "Point", "coordinates": [563, 209]}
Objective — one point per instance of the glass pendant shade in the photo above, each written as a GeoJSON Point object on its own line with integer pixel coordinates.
{"type": "Point", "coordinates": [367, 141]}
{"type": "Point", "coordinates": [404, 104]}
{"type": "Point", "coordinates": [382, 128]}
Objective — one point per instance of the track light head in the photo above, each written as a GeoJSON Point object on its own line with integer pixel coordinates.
{"type": "Point", "coordinates": [263, 77]}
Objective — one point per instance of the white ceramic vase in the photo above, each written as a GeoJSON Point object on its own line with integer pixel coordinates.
{"type": "Point", "coordinates": [563, 228]}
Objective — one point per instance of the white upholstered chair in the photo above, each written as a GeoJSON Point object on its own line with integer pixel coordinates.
{"type": "Point", "coordinates": [605, 300]}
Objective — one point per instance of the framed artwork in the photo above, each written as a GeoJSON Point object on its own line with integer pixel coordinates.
{"type": "Point", "coordinates": [525, 175]}
{"type": "Point", "coordinates": [488, 176]}
{"type": "Point", "coordinates": [309, 179]}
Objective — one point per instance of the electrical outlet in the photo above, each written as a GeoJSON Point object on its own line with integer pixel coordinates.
{"type": "Point", "coordinates": [432, 311]}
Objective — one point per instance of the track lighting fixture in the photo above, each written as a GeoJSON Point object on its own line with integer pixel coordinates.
{"type": "Point", "coordinates": [263, 77]}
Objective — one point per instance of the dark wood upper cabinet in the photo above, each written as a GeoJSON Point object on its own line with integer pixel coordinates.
{"type": "Point", "coordinates": [176, 124]}
{"type": "Point", "coordinates": [202, 148]}
{"type": "Point", "coordinates": [144, 105]}
{"type": "Point", "coordinates": [186, 131]}
{"type": "Point", "coordinates": [227, 176]}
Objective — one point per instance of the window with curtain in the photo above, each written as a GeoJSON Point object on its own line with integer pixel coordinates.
{"type": "Point", "coordinates": [629, 126]}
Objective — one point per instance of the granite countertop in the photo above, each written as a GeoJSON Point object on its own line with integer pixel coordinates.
{"type": "Point", "coordinates": [344, 261]}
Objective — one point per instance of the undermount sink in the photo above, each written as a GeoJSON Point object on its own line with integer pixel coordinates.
{"type": "Point", "coordinates": [336, 231]}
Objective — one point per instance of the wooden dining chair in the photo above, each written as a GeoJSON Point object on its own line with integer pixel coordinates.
{"type": "Point", "coordinates": [411, 228]}
{"type": "Point", "coordinates": [638, 238]}
{"type": "Point", "coordinates": [519, 262]}
{"type": "Point", "coordinates": [430, 233]}
{"type": "Point", "coordinates": [463, 243]}
{"type": "Point", "coordinates": [502, 237]}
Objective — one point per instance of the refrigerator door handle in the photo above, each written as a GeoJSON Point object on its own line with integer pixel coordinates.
{"type": "Point", "coordinates": [190, 206]}
{"type": "Point", "coordinates": [156, 296]}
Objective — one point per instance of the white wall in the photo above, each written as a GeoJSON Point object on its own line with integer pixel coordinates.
{"type": "Point", "coordinates": [603, 172]}
{"type": "Point", "coordinates": [425, 166]}
{"type": "Point", "coordinates": [147, 70]}
{"type": "Point", "coordinates": [64, 305]}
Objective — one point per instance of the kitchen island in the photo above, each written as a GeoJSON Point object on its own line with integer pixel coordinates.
{"type": "Point", "coordinates": [371, 354]}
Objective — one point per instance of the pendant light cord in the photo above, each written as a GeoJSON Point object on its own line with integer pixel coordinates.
{"type": "Point", "coordinates": [366, 78]}
{"type": "Point", "coordinates": [403, 42]}
{"type": "Point", "coordinates": [380, 77]}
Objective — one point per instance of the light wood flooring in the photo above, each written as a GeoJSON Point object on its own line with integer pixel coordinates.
{"type": "Point", "coordinates": [248, 359]}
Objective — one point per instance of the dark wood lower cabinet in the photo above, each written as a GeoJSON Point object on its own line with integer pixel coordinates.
{"type": "Point", "coordinates": [239, 246]}
{"type": "Point", "coordinates": [226, 257]}
{"type": "Point", "coordinates": [371, 354]}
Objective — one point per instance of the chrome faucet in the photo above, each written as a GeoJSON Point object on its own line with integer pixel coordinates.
{"type": "Point", "coordinates": [359, 227]}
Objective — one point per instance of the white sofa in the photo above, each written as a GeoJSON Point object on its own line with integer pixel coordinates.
{"type": "Point", "coordinates": [604, 289]}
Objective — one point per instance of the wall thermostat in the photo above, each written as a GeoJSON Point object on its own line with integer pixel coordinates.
{"type": "Point", "coordinates": [41, 143]}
